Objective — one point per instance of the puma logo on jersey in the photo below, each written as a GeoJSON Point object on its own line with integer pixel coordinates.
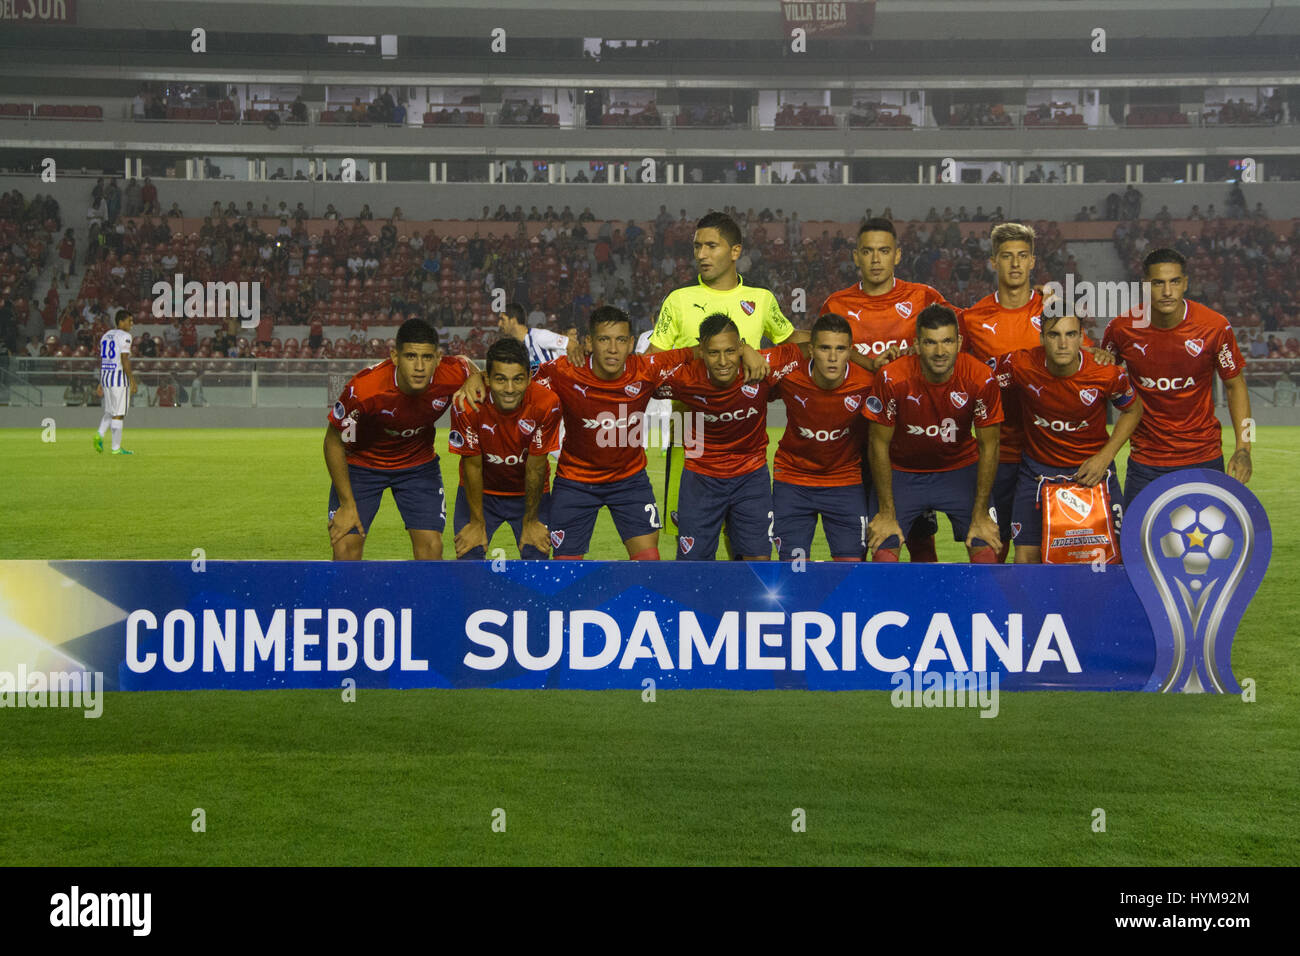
{"type": "Point", "coordinates": [1142, 348]}
{"type": "Point", "coordinates": [580, 388]}
{"type": "Point", "coordinates": [387, 411]}
{"type": "Point", "coordinates": [700, 307]}
{"type": "Point", "coordinates": [488, 428]}
{"type": "Point", "coordinates": [992, 328]}
{"type": "Point", "coordinates": [1036, 389]}
{"type": "Point", "coordinates": [914, 398]}
{"type": "Point", "coordinates": [853, 314]}
{"type": "Point", "coordinates": [802, 400]}
{"type": "Point", "coordinates": [699, 398]}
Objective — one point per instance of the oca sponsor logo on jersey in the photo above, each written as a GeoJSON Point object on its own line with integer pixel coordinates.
{"type": "Point", "coordinates": [823, 434]}
{"type": "Point", "coordinates": [945, 430]}
{"type": "Point", "coordinates": [1057, 425]}
{"type": "Point", "coordinates": [1166, 384]}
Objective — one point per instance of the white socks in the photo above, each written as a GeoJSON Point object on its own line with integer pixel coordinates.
{"type": "Point", "coordinates": [103, 424]}
{"type": "Point", "coordinates": [117, 433]}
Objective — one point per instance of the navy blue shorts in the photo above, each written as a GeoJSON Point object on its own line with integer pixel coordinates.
{"type": "Point", "coordinates": [1027, 516]}
{"type": "Point", "coordinates": [926, 526]}
{"type": "Point", "coordinates": [843, 512]}
{"type": "Point", "coordinates": [574, 504]}
{"type": "Point", "coordinates": [499, 510]}
{"type": "Point", "coordinates": [1140, 475]}
{"type": "Point", "coordinates": [1004, 496]}
{"type": "Point", "coordinates": [745, 502]}
{"type": "Point", "coordinates": [952, 492]}
{"type": "Point", "coordinates": [417, 491]}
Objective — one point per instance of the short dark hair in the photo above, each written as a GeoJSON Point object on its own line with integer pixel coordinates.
{"type": "Point", "coordinates": [416, 331]}
{"type": "Point", "coordinates": [830, 322]}
{"type": "Point", "coordinates": [878, 224]}
{"type": "Point", "coordinates": [716, 324]}
{"type": "Point", "coordinates": [516, 312]}
{"type": "Point", "coordinates": [506, 351]}
{"type": "Point", "coordinates": [1160, 256]}
{"type": "Point", "coordinates": [122, 316]}
{"type": "Point", "coordinates": [936, 317]}
{"type": "Point", "coordinates": [1048, 322]}
{"type": "Point", "coordinates": [725, 225]}
{"type": "Point", "coordinates": [607, 314]}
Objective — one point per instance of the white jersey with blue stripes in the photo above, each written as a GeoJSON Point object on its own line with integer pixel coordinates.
{"type": "Point", "coordinates": [112, 346]}
{"type": "Point", "coordinates": [543, 346]}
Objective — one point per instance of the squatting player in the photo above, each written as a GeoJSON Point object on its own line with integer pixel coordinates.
{"type": "Point", "coordinates": [603, 403]}
{"type": "Point", "coordinates": [1171, 363]}
{"type": "Point", "coordinates": [380, 435]}
{"type": "Point", "coordinates": [817, 469]}
{"type": "Point", "coordinates": [1062, 393]}
{"type": "Point", "coordinates": [923, 455]}
{"type": "Point", "coordinates": [729, 480]}
{"type": "Point", "coordinates": [503, 446]}
{"type": "Point", "coordinates": [881, 310]}
{"type": "Point", "coordinates": [116, 381]}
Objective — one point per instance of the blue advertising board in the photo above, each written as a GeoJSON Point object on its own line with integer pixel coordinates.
{"type": "Point", "coordinates": [1196, 545]}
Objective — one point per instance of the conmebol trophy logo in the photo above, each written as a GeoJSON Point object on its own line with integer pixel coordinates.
{"type": "Point", "coordinates": [1196, 546]}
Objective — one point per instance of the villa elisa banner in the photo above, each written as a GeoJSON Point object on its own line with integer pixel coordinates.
{"type": "Point", "coordinates": [847, 18]}
{"type": "Point", "coordinates": [1196, 546]}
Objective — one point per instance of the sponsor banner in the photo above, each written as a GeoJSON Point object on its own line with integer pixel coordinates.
{"type": "Point", "coordinates": [39, 11]}
{"type": "Point", "coordinates": [1197, 545]}
{"type": "Point", "coordinates": [846, 18]}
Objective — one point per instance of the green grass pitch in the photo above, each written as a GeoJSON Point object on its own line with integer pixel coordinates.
{"type": "Point", "coordinates": [413, 777]}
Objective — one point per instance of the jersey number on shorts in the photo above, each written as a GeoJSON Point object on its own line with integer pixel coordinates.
{"type": "Point", "coordinates": [654, 515]}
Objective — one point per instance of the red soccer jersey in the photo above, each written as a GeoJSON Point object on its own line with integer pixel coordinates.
{"type": "Point", "coordinates": [734, 439]}
{"type": "Point", "coordinates": [991, 331]}
{"type": "Point", "coordinates": [393, 429]}
{"type": "Point", "coordinates": [879, 321]}
{"type": "Point", "coordinates": [824, 431]}
{"type": "Point", "coordinates": [506, 439]}
{"type": "Point", "coordinates": [1173, 369]}
{"type": "Point", "coordinates": [1064, 419]}
{"type": "Point", "coordinates": [932, 422]}
{"type": "Point", "coordinates": [597, 413]}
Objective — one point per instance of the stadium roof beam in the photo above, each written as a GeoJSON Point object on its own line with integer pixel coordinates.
{"type": "Point", "coordinates": [973, 20]}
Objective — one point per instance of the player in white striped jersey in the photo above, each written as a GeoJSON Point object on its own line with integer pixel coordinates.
{"type": "Point", "coordinates": [658, 412]}
{"type": "Point", "coordinates": [543, 345]}
{"type": "Point", "coordinates": [116, 381]}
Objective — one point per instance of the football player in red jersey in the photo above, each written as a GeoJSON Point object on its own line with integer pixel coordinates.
{"type": "Point", "coordinates": [1006, 321]}
{"type": "Point", "coordinates": [603, 461]}
{"type": "Point", "coordinates": [923, 455]}
{"type": "Point", "coordinates": [817, 470]}
{"type": "Point", "coordinates": [1172, 361]}
{"type": "Point", "coordinates": [503, 446]}
{"type": "Point", "coordinates": [729, 480]}
{"type": "Point", "coordinates": [882, 310]}
{"type": "Point", "coordinates": [380, 435]}
{"type": "Point", "coordinates": [1063, 393]}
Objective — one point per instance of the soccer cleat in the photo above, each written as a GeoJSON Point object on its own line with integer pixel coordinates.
{"type": "Point", "coordinates": [122, 451]}
{"type": "Point", "coordinates": [98, 441]}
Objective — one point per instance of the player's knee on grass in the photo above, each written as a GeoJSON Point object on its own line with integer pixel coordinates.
{"type": "Point", "coordinates": [426, 545]}
{"type": "Point", "coordinates": [1029, 554]}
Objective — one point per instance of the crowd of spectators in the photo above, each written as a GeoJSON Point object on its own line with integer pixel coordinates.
{"type": "Point", "coordinates": [706, 114]}
{"type": "Point", "coordinates": [1241, 113]}
{"type": "Point", "coordinates": [978, 114]}
{"type": "Point", "coordinates": [804, 115]}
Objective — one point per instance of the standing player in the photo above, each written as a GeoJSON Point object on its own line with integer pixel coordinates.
{"type": "Point", "coordinates": [542, 345]}
{"type": "Point", "coordinates": [882, 310]}
{"type": "Point", "coordinates": [923, 456]}
{"type": "Point", "coordinates": [818, 461]}
{"type": "Point", "coordinates": [503, 446]}
{"type": "Point", "coordinates": [658, 412]}
{"type": "Point", "coordinates": [1062, 393]}
{"type": "Point", "coordinates": [380, 435]}
{"type": "Point", "coordinates": [729, 480]}
{"type": "Point", "coordinates": [115, 379]}
{"type": "Point", "coordinates": [1008, 320]}
{"type": "Point", "coordinates": [1172, 362]}
{"type": "Point", "coordinates": [603, 460]}
{"type": "Point", "coordinates": [718, 290]}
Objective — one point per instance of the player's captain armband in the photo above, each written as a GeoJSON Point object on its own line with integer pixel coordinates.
{"type": "Point", "coordinates": [1078, 524]}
